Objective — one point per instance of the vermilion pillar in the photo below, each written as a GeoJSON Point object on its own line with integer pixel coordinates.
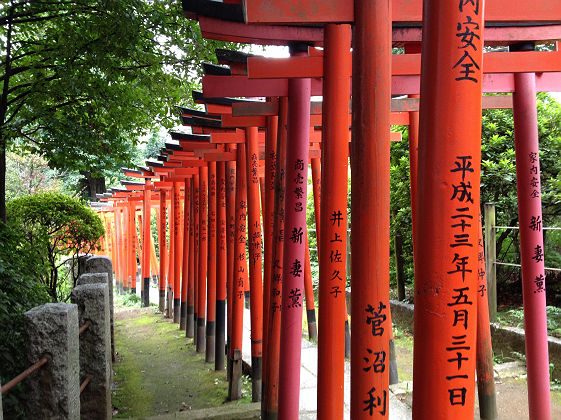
{"type": "Point", "coordinates": [255, 273]}
{"type": "Point", "coordinates": [118, 249]}
{"type": "Point", "coordinates": [203, 255]}
{"type": "Point", "coordinates": [136, 244]}
{"type": "Point", "coordinates": [163, 249]}
{"type": "Point", "coordinates": [177, 252]}
{"type": "Point", "coordinates": [221, 266]}
{"type": "Point", "coordinates": [333, 221]}
{"type": "Point", "coordinates": [191, 279]}
{"type": "Point", "coordinates": [316, 187]}
{"type": "Point", "coordinates": [294, 248]}
{"type": "Point", "coordinates": [309, 294]}
{"type": "Point", "coordinates": [531, 241]}
{"type": "Point", "coordinates": [125, 242]}
{"type": "Point", "coordinates": [370, 214]}
{"type": "Point", "coordinates": [230, 251]}
{"type": "Point", "coordinates": [448, 210]}
{"type": "Point", "coordinates": [171, 257]}
{"type": "Point", "coordinates": [146, 212]}
{"type": "Point", "coordinates": [131, 244]}
{"type": "Point", "coordinates": [413, 149]}
{"type": "Point", "coordinates": [271, 381]}
{"type": "Point", "coordinates": [240, 270]}
{"type": "Point", "coordinates": [211, 289]}
{"type": "Point", "coordinates": [484, 353]}
{"type": "Point", "coordinates": [196, 226]}
{"type": "Point", "coordinates": [271, 172]}
{"type": "Point", "coordinates": [185, 255]}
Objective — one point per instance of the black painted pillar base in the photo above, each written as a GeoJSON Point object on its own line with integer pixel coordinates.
{"type": "Point", "coordinates": [347, 340]}
{"type": "Point", "coordinates": [312, 326]}
{"type": "Point", "coordinates": [247, 299]}
{"type": "Point", "coordinates": [269, 416]}
{"type": "Point", "coordinates": [201, 342]}
{"type": "Point", "coordinates": [235, 385]}
{"type": "Point", "coordinates": [146, 300]}
{"type": "Point", "coordinates": [125, 289]}
{"type": "Point", "coordinates": [210, 341]}
{"type": "Point", "coordinates": [183, 315]}
{"type": "Point", "coordinates": [190, 322]}
{"type": "Point", "coordinates": [256, 375]}
{"type": "Point", "coordinates": [228, 361]}
{"type": "Point", "coordinates": [169, 308]}
{"type": "Point", "coordinates": [176, 309]}
{"type": "Point", "coordinates": [162, 301]}
{"type": "Point", "coordinates": [220, 350]}
{"type": "Point", "coordinates": [195, 332]}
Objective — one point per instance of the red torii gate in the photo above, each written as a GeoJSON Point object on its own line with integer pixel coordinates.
{"type": "Point", "coordinates": [337, 12]}
{"type": "Point", "coordinates": [406, 82]}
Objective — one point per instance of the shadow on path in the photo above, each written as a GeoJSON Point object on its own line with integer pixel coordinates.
{"type": "Point", "coordinates": [158, 371]}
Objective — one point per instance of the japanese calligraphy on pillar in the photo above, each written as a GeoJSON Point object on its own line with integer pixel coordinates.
{"type": "Point", "coordinates": [376, 400]}
{"type": "Point", "coordinates": [535, 221]}
{"type": "Point", "coordinates": [481, 275]}
{"type": "Point", "coordinates": [203, 208]}
{"type": "Point", "coordinates": [273, 162]}
{"type": "Point", "coordinates": [241, 256]}
{"type": "Point", "coordinates": [296, 236]}
{"type": "Point", "coordinates": [337, 231]}
{"type": "Point", "coordinates": [222, 203]}
{"type": "Point", "coordinates": [463, 224]}
{"type": "Point", "coordinates": [255, 239]}
{"type": "Point", "coordinates": [276, 285]}
{"type": "Point", "coordinates": [177, 207]}
{"type": "Point", "coordinates": [196, 221]}
{"type": "Point", "coordinates": [468, 33]}
{"type": "Point", "coordinates": [211, 209]}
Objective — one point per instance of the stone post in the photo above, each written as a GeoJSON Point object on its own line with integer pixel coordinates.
{"type": "Point", "coordinates": [103, 264]}
{"type": "Point", "coordinates": [54, 390]}
{"type": "Point", "coordinates": [95, 350]}
{"type": "Point", "coordinates": [103, 278]}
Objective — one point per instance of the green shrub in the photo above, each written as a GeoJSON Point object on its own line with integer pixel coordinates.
{"type": "Point", "coordinates": [19, 292]}
{"type": "Point", "coordinates": [55, 229]}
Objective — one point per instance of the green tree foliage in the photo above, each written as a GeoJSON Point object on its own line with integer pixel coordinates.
{"type": "Point", "coordinates": [81, 79]}
{"type": "Point", "coordinates": [154, 144]}
{"type": "Point", "coordinates": [498, 181]}
{"type": "Point", "coordinates": [56, 228]}
{"type": "Point", "coordinates": [29, 174]}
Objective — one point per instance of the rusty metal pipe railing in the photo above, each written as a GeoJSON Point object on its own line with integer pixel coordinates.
{"type": "Point", "coordinates": [85, 383]}
{"type": "Point", "coordinates": [84, 327]}
{"type": "Point", "coordinates": [9, 385]}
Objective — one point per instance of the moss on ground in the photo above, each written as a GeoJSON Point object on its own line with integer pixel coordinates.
{"type": "Point", "coordinates": [158, 371]}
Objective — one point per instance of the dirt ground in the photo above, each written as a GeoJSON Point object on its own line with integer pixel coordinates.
{"type": "Point", "coordinates": [510, 384]}
{"type": "Point", "coordinates": [157, 369]}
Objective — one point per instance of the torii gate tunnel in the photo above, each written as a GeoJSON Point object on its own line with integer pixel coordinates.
{"type": "Point", "coordinates": [233, 195]}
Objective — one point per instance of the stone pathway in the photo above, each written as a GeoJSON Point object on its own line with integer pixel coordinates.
{"type": "Point", "coordinates": [308, 380]}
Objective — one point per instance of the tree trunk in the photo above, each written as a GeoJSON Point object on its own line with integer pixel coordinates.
{"type": "Point", "coordinates": [2, 177]}
{"type": "Point", "coordinates": [3, 113]}
{"type": "Point", "coordinates": [94, 185]}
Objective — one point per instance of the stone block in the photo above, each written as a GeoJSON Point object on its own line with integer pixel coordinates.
{"type": "Point", "coordinates": [95, 349]}
{"type": "Point", "coordinates": [102, 264]}
{"type": "Point", "coordinates": [53, 390]}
